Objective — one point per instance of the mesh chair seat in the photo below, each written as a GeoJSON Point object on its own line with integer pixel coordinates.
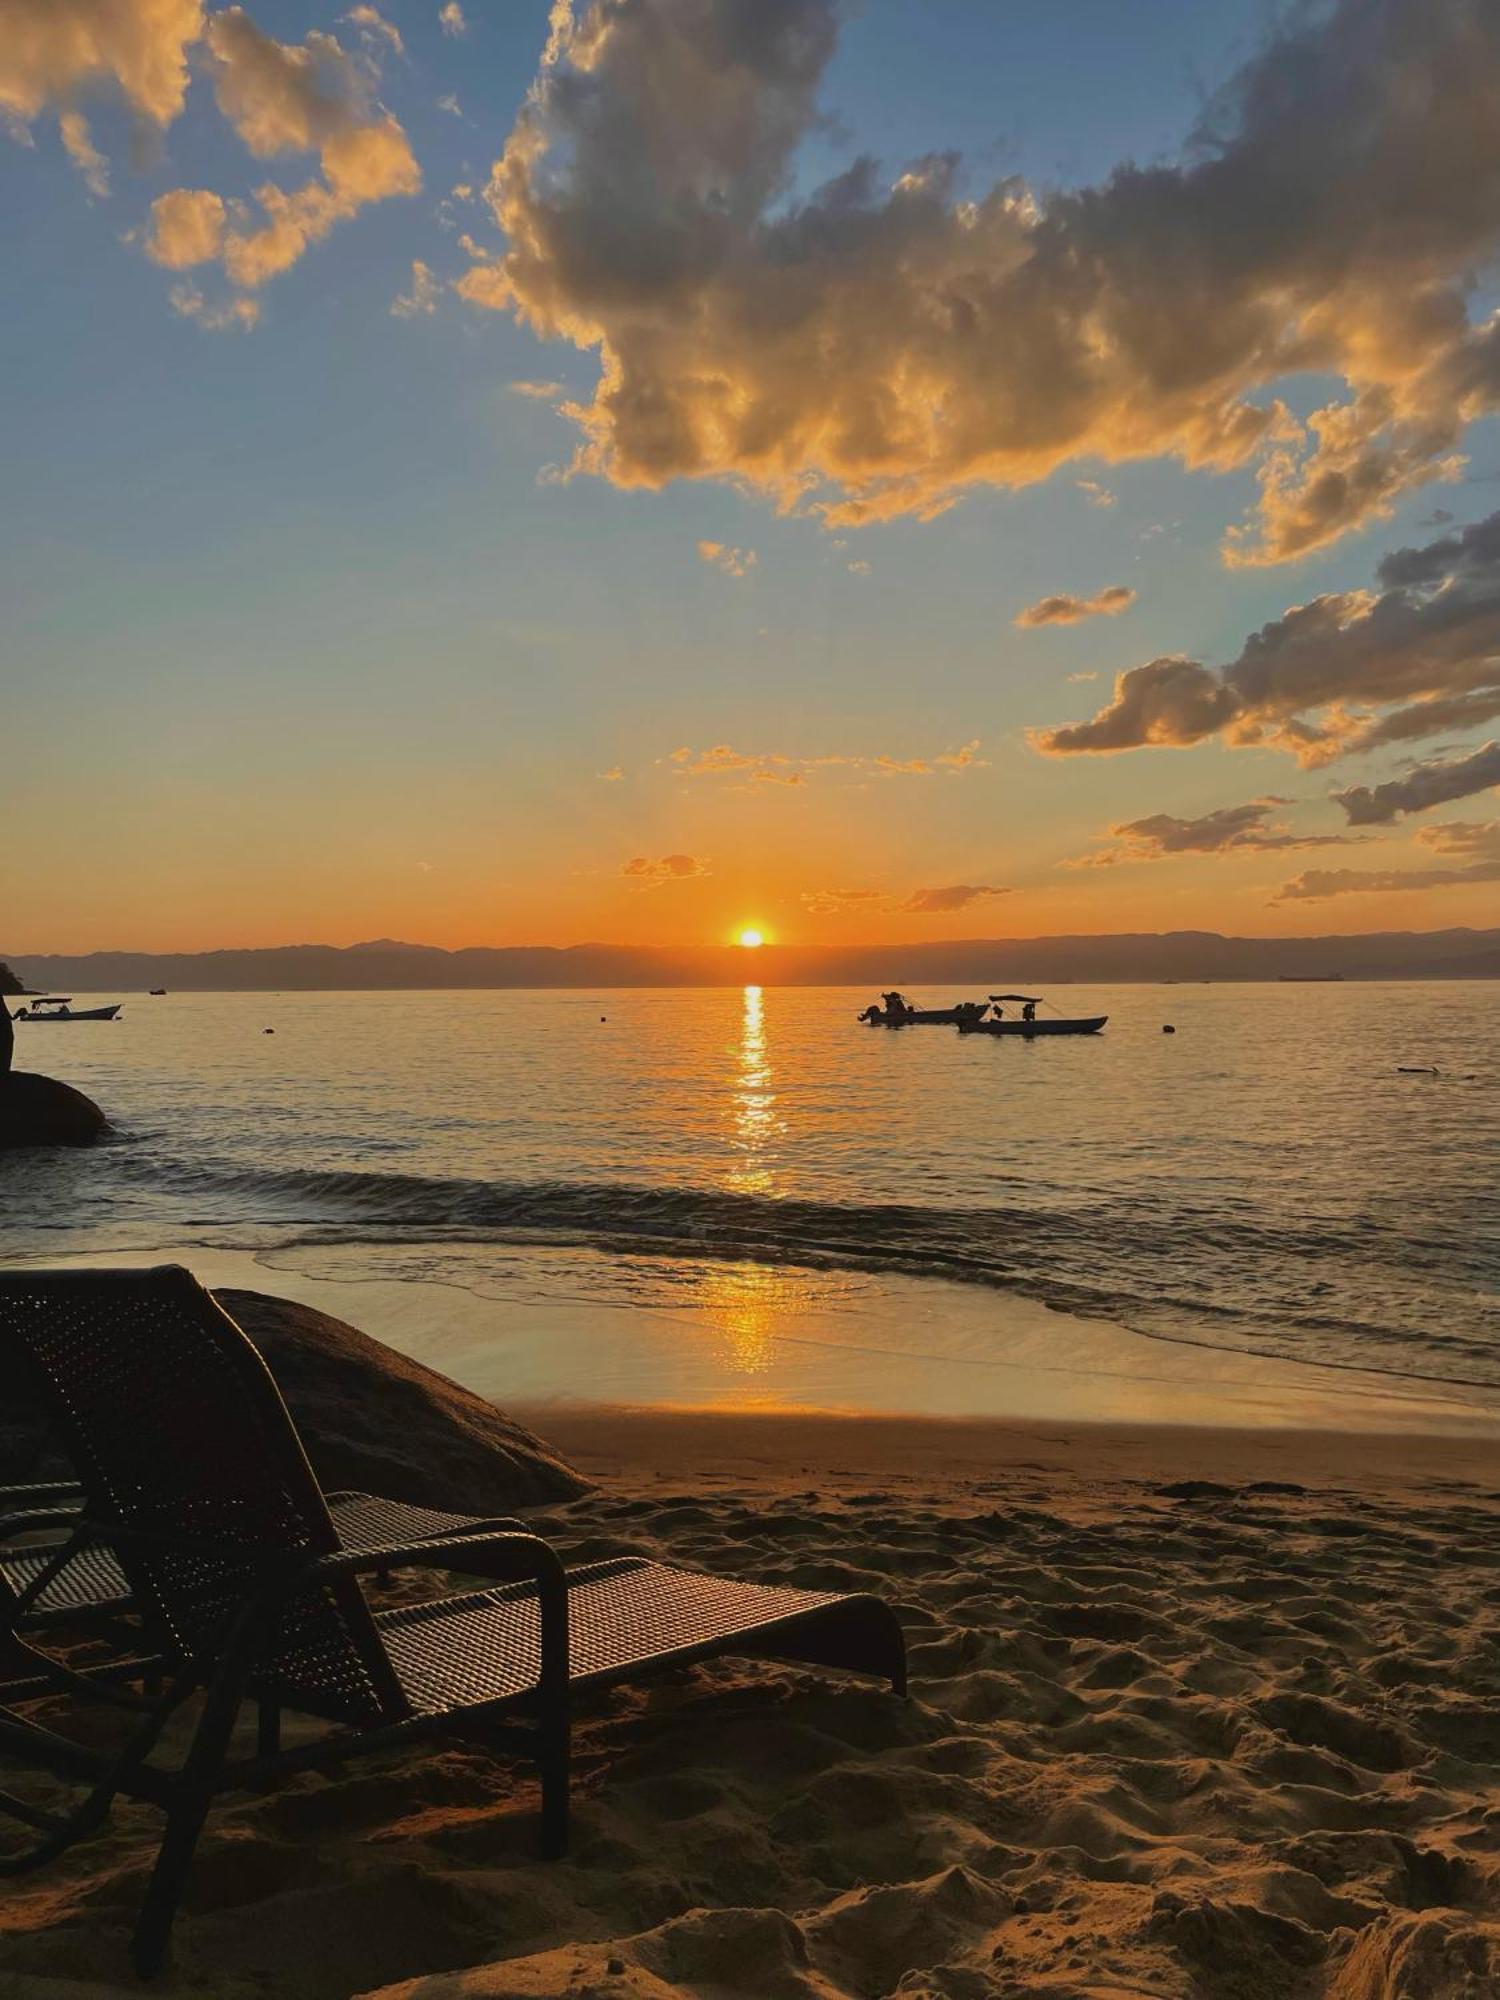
{"type": "Point", "coordinates": [461, 1652]}
{"type": "Point", "coordinates": [93, 1581]}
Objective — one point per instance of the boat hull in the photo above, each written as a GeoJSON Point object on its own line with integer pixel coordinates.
{"type": "Point", "coordinates": [1086, 1026]}
{"type": "Point", "coordinates": [84, 1014]}
{"type": "Point", "coordinates": [920, 1017]}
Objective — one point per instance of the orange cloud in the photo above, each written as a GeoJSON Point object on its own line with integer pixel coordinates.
{"type": "Point", "coordinates": [1066, 610]}
{"type": "Point", "coordinates": [670, 868]}
{"type": "Point", "coordinates": [733, 562]}
{"type": "Point", "coordinates": [1474, 844]}
{"type": "Point", "coordinates": [54, 51]}
{"type": "Point", "coordinates": [284, 98]}
{"type": "Point", "coordinates": [771, 767]}
{"type": "Point", "coordinates": [879, 348]}
{"type": "Point", "coordinates": [940, 902]}
{"type": "Point", "coordinates": [1351, 671]}
{"type": "Point", "coordinates": [1227, 830]}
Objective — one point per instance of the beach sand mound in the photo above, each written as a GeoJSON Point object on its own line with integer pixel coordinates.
{"type": "Point", "coordinates": [1235, 1744]}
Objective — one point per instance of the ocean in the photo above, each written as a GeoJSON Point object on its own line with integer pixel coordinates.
{"type": "Point", "coordinates": [1266, 1182]}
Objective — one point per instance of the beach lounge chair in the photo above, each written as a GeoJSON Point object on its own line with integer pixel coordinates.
{"type": "Point", "coordinates": [196, 1481]}
{"type": "Point", "coordinates": [90, 1586]}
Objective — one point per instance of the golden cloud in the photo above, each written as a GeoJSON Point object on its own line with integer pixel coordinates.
{"type": "Point", "coordinates": [878, 349]}
{"type": "Point", "coordinates": [1351, 671]}
{"type": "Point", "coordinates": [1066, 610]}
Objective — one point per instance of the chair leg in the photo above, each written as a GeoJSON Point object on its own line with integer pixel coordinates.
{"type": "Point", "coordinates": [555, 1758]}
{"type": "Point", "coordinates": [194, 1794]}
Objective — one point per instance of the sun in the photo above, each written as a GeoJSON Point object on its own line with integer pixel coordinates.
{"type": "Point", "coordinates": [751, 940]}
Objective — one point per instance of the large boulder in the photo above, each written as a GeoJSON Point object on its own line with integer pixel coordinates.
{"type": "Point", "coordinates": [369, 1418]}
{"type": "Point", "coordinates": [40, 1111]}
{"type": "Point", "coordinates": [376, 1419]}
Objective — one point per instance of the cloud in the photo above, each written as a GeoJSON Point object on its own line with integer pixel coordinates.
{"type": "Point", "coordinates": [187, 228]}
{"type": "Point", "coordinates": [235, 315]}
{"type": "Point", "coordinates": [1435, 783]}
{"type": "Point", "coordinates": [859, 568]}
{"type": "Point", "coordinates": [613, 775]}
{"type": "Point", "coordinates": [733, 562]}
{"type": "Point", "coordinates": [538, 392]}
{"type": "Point", "coordinates": [1348, 672]}
{"type": "Point", "coordinates": [454, 109]}
{"type": "Point", "coordinates": [81, 150]}
{"type": "Point", "coordinates": [670, 868]}
{"type": "Point", "coordinates": [939, 902]}
{"type": "Point", "coordinates": [838, 902]}
{"type": "Point", "coordinates": [451, 15]}
{"type": "Point", "coordinates": [1475, 844]}
{"type": "Point", "coordinates": [1096, 495]}
{"type": "Point", "coordinates": [54, 52]}
{"type": "Point", "coordinates": [1228, 829]}
{"type": "Point", "coordinates": [773, 767]}
{"type": "Point", "coordinates": [1066, 610]}
{"type": "Point", "coordinates": [423, 296]}
{"type": "Point", "coordinates": [882, 345]}
{"type": "Point", "coordinates": [370, 21]}
{"type": "Point", "coordinates": [286, 98]}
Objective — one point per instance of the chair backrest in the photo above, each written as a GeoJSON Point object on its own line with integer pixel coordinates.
{"type": "Point", "coordinates": [176, 1428]}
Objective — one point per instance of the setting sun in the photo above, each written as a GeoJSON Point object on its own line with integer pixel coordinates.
{"type": "Point", "coordinates": [752, 940]}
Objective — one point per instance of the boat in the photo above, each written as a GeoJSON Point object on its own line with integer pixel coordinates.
{"type": "Point", "coordinates": [1083, 1025]}
{"type": "Point", "coordinates": [919, 1017]}
{"type": "Point", "coordinates": [58, 1007]}
{"type": "Point", "coordinates": [1054, 1024]}
{"type": "Point", "coordinates": [158, 992]}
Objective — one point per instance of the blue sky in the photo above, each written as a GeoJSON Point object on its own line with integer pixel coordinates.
{"type": "Point", "coordinates": [306, 636]}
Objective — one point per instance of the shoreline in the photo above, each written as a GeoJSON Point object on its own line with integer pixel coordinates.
{"type": "Point", "coordinates": [561, 1333]}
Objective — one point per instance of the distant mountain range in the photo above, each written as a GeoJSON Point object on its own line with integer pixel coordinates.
{"type": "Point", "coordinates": [980, 962]}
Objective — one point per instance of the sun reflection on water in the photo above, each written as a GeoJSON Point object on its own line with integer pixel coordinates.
{"type": "Point", "coordinates": [754, 1122]}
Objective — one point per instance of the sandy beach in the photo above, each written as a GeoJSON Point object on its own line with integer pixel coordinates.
{"type": "Point", "coordinates": [1194, 1713]}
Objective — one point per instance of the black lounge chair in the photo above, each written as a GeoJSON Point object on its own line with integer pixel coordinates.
{"type": "Point", "coordinates": [195, 1479]}
{"type": "Point", "coordinates": [90, 1586]}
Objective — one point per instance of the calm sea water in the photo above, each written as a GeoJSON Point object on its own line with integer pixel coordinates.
{"type": "Point", "coordinates": [1264, 1180]}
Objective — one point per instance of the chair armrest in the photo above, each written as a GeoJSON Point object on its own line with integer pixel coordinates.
{"type": "Point", "coordinates": [534, 1561]}
{"type": "Point", "coordinates": [29, 1521]}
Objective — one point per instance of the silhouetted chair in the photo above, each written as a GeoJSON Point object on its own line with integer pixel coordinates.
{"type": "Point", "coordinates": [196, 1481]}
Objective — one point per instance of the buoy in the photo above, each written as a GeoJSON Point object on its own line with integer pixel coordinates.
{"type": "Point", "coordinates": [1168, 1029]}
{"type": "Point", "coordinates": [268, 1031]}
{"type": "Point", "coordinates": [604, 1017]}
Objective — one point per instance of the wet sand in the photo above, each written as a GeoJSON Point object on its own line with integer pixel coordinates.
{"type": "Point", "coordinates": [1194, 1713]}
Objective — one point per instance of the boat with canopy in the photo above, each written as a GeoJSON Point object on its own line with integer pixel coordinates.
{"type": "Point", "coordinates": [59, 1007]}
{"type": "Point", "coordinates": [1029, 1025]}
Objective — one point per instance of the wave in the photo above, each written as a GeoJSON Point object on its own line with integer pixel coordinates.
{"type": "Point", "coordinates": [1178, 1272]}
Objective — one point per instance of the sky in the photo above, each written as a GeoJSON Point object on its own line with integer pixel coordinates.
{"type": "Point", "coordinates": [497, 473]}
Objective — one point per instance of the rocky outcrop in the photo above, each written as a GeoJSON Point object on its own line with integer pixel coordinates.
{"type": "Point", "coordinates": [39, 1111]}
{"type": "Point", "coordinates": [376, 1419]}
{"type": "Point", "coordinates": [369, 1418]}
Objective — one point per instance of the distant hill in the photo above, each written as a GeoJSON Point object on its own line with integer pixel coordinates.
{"type": "Point", "coordinates": [983, 963]}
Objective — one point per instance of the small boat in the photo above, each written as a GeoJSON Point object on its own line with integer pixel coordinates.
{"type": "Point", "coordinates": [919, 1017]}
{"type": "Point", "coordinates": [60, 1008]}
{"type": "Point", "coordinates": [1028, 1024]}
{"type": "Point", "coordinates": [158, 992]}
{"type": "Point", "coordinates": [1084, 1025]}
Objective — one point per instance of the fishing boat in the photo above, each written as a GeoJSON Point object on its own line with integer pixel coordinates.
{"type": "Point", "coordinates": [1053, 1024]}
{"type": "Point", "coordinates": [58, 1007]}
{"type": "Point", "coordinates": [919, 1017]}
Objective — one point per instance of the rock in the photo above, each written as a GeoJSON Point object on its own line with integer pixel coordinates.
{"type": "Point", "coordinates": [369, 1418]}
{"type": "Point", "coordinates": [39, 1111]}
{"type": "Point", "coordinates": [375, 1419]}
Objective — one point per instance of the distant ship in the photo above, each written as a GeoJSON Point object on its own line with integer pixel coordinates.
{"type": "Point", "coordinates": [1310, 978]}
